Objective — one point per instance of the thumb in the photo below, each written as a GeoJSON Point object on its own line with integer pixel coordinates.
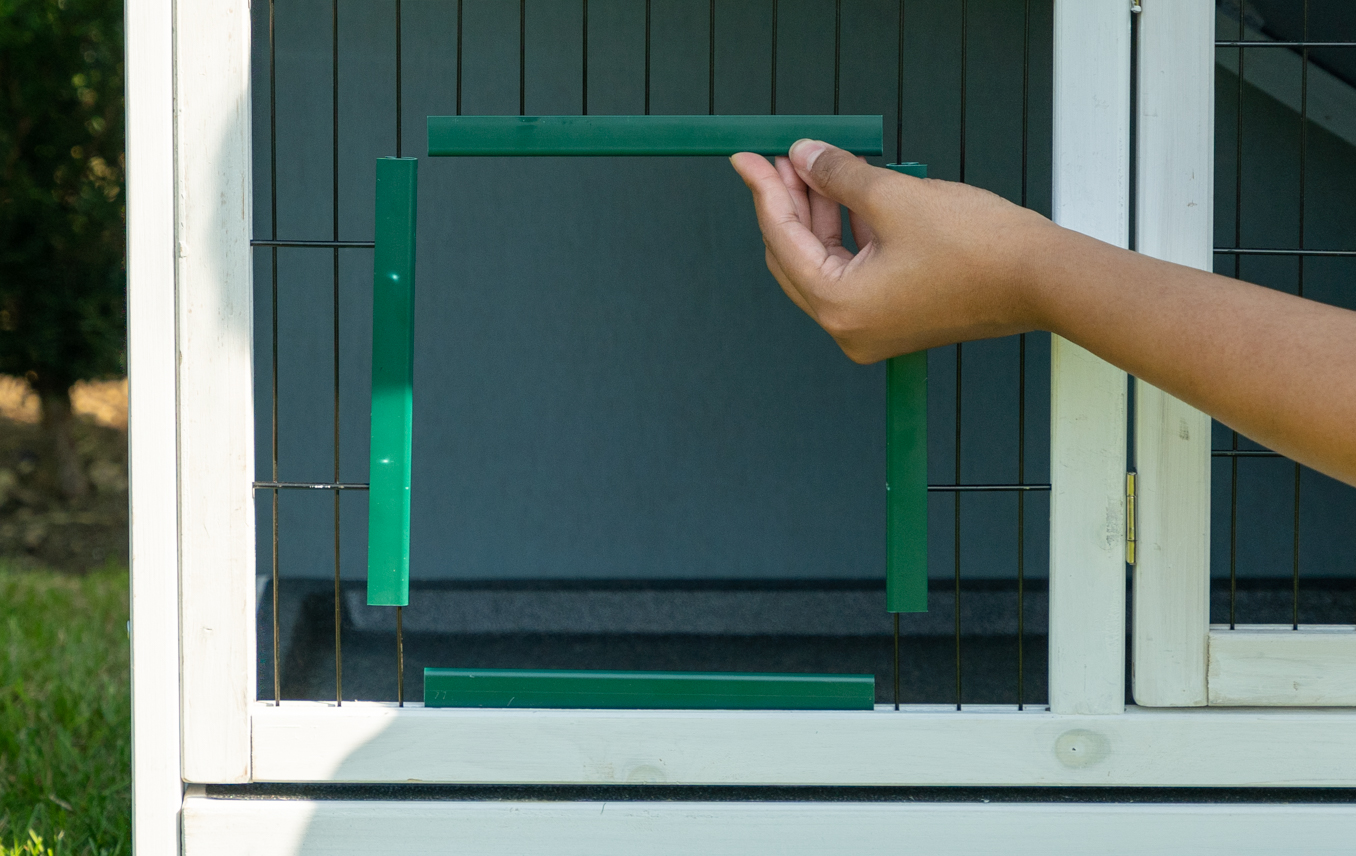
{"type": "Point", "coordinates": [834, 173]}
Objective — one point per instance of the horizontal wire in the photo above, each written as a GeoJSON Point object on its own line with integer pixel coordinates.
{"type": "Point", "coordinates": [942, 488]}
{"type": "Point", "coordinates": [1252, 251]}
{"type": "Point", "coordinates": [962, 488]}
{"type": "Point", "coordinates": [316, 245]}
{"type": "Point", "coordinates": [1244, 453]}
{"type": "Point", "coordinates": [281, 485]}
{"type": "Point", "coordinates": [1259, 43]}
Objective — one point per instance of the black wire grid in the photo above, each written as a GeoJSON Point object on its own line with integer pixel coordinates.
{"type": "Point", "coordinates": [1300, 253]}
{"type": "Point", "coordinates": [273, 243]}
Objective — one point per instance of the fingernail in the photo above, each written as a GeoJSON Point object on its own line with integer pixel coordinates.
{"type": "Point", "coordinates": [807, 150]}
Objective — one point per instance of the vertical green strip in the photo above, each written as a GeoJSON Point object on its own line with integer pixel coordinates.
{"type": "Point", "coordinates": [388, 514]}
{"type": "Point", "coordinates": [906, 477]}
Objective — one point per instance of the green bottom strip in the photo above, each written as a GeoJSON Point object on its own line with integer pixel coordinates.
{"type": "Point", "coordinates": [646, 690]}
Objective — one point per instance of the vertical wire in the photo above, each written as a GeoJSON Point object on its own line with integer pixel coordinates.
{"type": "Point", "coordinates": [1026, 112]}
{"type": "Point", "coordinates": [584, 82]}
{"type": "Point", "coordinates": [647, 57]}
{"type": "Point", "coordinates": [334, 187]}
{"type": "Point", "coordinates": [896, 617]}
{"type": "Point", "coordinates": [899, 91]}
{"type": "Point", "coordinates": [459, 11]}
{"type": "Point", "coordinates": [273, 228]}
{"type": "Point", "coordinates": [522, 55]}
{"type": "Point", "coordinates": [899, 158]}
{"type": "Point", "coordinates": [1295, 558]}
{"type": "Point", "coordinates": [1238, 273]}
{"type": "Point", "coordinates": [400, 636]}
{"type": "Point", "coordinates": [711, 64]}
{"type": "Point", "coordinates": [1233, 534]}
{"type": "Point", "coordinates": [837, 51]}
{"type": "Point", "coordinates": [398, 64]}
{"type": "Point", "coordinates": [1303, 170]}
{"type": "Point", "coordinates": [773, 87]}
{"type": "Point", "coordinates": [1021, 384]}
{"type": "Point", "coordinates": [1021, 521]}
{"type": "Point", "coordinates": [956, 529]}
{"type": "Point", "coordinates": [964, 52]}
{"type": "Point", "coordinates": [956, 497]}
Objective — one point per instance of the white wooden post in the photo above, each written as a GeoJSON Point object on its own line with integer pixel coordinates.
{"type": "Point", "coordinates": [1175, 209]}
{"type": "Point", "coordinates": [216, 419]}
{"type": "Point", "coordinates": [215, 827]}
{"type": "Point", "coordinates": [1087, 395]}
{"type": "Point", "coordinates": [156, 786]}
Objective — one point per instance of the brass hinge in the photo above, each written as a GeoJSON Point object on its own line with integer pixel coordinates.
{"type": "Point", "coordinates": [1130, 518]}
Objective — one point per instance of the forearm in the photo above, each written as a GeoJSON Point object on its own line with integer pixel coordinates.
{"type": "Point", "coordinates": [943, 262]}
{"type": "Point", "coordinates": [1275, 367]}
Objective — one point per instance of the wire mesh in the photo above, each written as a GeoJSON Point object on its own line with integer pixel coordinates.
{"type": "Point", "coordinates": [1270, 499]}
{"type": "Point", "coordinates": [961, 481]}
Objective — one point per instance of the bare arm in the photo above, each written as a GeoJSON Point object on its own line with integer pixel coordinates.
{"type": "Point", "coordinates": [942, 263]}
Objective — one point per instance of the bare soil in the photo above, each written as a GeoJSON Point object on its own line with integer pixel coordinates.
{"type": "Point", "coordinates": [38, 526]}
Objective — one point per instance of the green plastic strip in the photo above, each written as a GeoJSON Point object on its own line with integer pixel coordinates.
{"type": "Point", "coordinates": [648, 690]}
{"type": "Point", "coordinates": [528, 136]}
{"type": "Point", "coordinates": [388, 511]}
{"type": "Point", "coordinates": [906, 466]}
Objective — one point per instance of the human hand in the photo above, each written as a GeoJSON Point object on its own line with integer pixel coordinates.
{"type": "Point", "coordinates": [937, 263]}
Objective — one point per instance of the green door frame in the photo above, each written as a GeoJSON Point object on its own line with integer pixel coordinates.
{"type": "Point", "coordinates": [388, 554]}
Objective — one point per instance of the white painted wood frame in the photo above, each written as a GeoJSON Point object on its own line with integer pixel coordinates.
{"type": "Point", "coordinates": [193, 539]}
{"type": "Point", "coordinates": [932, 745]}
{"type": "Point", "coordinates": [225, 827]}
{"type": "Point", "coordinates": [1275, 665]}
{"type": "Point", "coordinates": [1091, 173]}
{"type": "Point", "coordinates": [1174, 222]}
{"type": "Point", "coordinates": [1179, 659]}
{"type": "Point", "coordinates": [215, 386]}
{"type": "Point", "coordinates": [157, 789]}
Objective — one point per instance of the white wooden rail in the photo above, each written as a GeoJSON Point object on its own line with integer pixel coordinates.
{"type": "Point", "coordinates": [1088, 396]}
{"type": "Point", "coordinates": [334, 828]}
{"type": "Point", "coordinates": [1275, 665]}
{"type": "Point", "coordinates": [1175, 208]}
{"type": "Point", "coordinates": [157, 790]}
{"type": "Point", "coordinates": [215, 385]}
{"type": "Point", "coordinates": [924, 745]}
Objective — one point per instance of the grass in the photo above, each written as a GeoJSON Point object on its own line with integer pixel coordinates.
{"type": "Point", "coordinates": [65, 714]}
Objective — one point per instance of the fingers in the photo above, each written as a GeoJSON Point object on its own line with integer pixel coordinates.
{"type": "Point", "coordinates": [836, 174]}
{"type": "Point", "coordinates": [822, 216]}
{"type": "Point", "coordinates": [862, 232]}
{"type": "Point", "coordinates": [794, 184]}
{"type": "Point", "coordinates": [800, 254]}
{"type": "Point", "coordinates": [788, 288]}
{"type": "Point", "coordinates": [826, 220]}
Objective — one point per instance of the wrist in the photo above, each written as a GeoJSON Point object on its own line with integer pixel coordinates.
{"type": "Point", "coordinates": [1047, 273]}
{"type": "Point", "coordinates": [1029, 271]}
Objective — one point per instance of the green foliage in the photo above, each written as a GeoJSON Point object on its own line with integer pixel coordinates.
{"type": "Point", "coordinates": [34, 846]}
{"type": "Point", "coordinates": [65, 714]}
{"type": "Point", "coordinates": [62, 235]}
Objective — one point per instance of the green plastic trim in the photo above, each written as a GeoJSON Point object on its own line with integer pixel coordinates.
{"type": "Point", "coordinates": [906, 467]}
{"type": "Point", "coordinates": [535, 136]}
{"type": "Point", "coordinates": [646, 690]}
{"type": "Point", "coordinates": [388, 510]}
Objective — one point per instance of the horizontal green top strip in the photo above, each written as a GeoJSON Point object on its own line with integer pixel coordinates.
{"type": "Point", "coordinates": [541, 136]}
{"type": "Point", "coordinates": [649, 690]}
